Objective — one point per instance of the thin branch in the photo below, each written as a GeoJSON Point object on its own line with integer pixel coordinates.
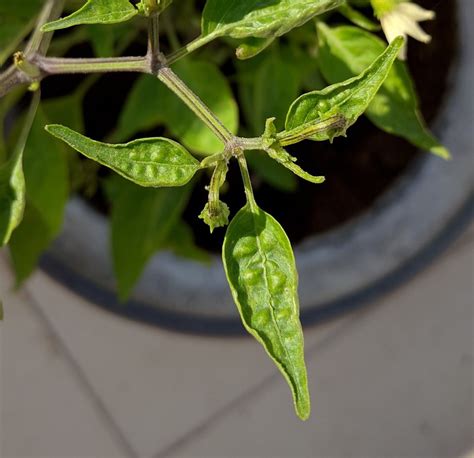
{"type": "Point", "coordinates": [39, 41]}
{"type": "Point", "coordinates": [154, 36]}
{"type": "Point", "coordinates": [59, 65]}
{"type": "Point", "coordinates": [11, 78]}
{"type": "Point", "coordinates": [173, 82]}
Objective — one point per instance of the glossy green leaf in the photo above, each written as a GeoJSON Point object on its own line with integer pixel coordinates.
{"type": "Point", "coordinates": [344, 51]}
{"type": "Point", "coordinates": [150, 162]}
{"type": "Point", "coordinates": [150, 103]}
{"type": "Point", "coordinates": [95, 12]}
{"type": "Point", "coordinates": [347, 100]}
{"type": "Point", "coordinates": [12, 181]}
{"type": "Point", "coordinates": [47, 189]}
{"type": "Point", "coordinates": [260, 18]}
{"type": "Point", "coordinates": [16, 20]}
{"type": "Point", "coordinates": [142, 221]}
{"type": "Point", "coordinates": [261, 271]}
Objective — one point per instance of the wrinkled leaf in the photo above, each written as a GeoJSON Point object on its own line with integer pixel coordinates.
{"type": "Point", "coordinates": [142, 221]}
{"type": "Point", "coordinates": [12, 181]}
{"type": "Point", "coordinates": [150, 162]}
{"type": "Point", "coordinates": [395, 109]}
{"type": "Point", "coordinates": [347, 100]}
{"type": "Point", "coordinates": [261, 271]}
{"type": "Point", "coordinates": [150, 103]}
{"type": "Point", "coordinates": [95, 12]}
{"type": "Point", "coordinates": [260, 18]}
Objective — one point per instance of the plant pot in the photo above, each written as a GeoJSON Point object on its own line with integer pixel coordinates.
{"type": "Point", "coordinates": [403, 231]}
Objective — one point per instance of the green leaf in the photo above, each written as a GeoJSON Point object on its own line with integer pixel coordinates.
{"type": "Point", "coordinates": [17, 18]}
{"type": "Point", "coordinates": [347, 100]}
{"type": "Point", "coordinates": [344, 51]}
{"type": "Point", "coordinates": [261, 271]}
{"type": "Point", "coordinates": [47, 189]}
{"type": "Point", "coordinates": [142, 222]}
{"type": "Point", "coordinates": [206, 80]}
{"type": "Point", "coordinates": [150, 162]}
{"type": "Point", "coordinates": [95, 12]}
{"type": "Point", "coordinates": [12, 181]}
{"type": "Point", "coordinates": [260, 18]}
{"type": "Point", "coordinates": [358, 18]}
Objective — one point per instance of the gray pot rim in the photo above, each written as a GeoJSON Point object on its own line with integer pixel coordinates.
{"type": "Point", "coordinates": [407, 228]}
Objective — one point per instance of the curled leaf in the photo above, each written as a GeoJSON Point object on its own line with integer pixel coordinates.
{"type": "Point", "coordinates": [149, 162]}
{"type": "Point", "coordinates": [347, 100]}
{"type": "Point", "coordinates": [12, 181]}
{"type": "Point", "coordinates": [261, 271]}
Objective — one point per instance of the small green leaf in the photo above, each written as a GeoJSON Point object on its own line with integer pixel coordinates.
{"type": "Point", "coordinates": [344, 51]}
{"type": "Point", "coordinates": [142, 222]}
{"type": "Point", "coordinates": [47, 189]}
{"type": "Point", "coordinates": [347, 100]}
{"type": "Point", "coordinates": [12, 181]}
{"type": "Point", "coordinates": [260, 18]}
{"type": "Point", "coordinates": [261, 271]}
{"type": "Point", "coordinates": [150, 162]}
{"type": "Point", "coordinates": [95, 12]}
{"type": "Point", "coordinates": [278, 153]}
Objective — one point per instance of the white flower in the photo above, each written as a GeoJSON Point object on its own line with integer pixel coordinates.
{"type": "Point", "coordinates": [402, 19]}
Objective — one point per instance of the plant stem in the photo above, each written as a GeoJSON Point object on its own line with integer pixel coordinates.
{"type": "Point", "coordinates": [244, 170]}
{"type": "Point", "coordinates": [175, 84]}
{"type": "Point", "coordinates": [39, 41]}
{"type": "Point", "coordinates": [60, 65]}
{"type": "Point", "coordinates": [154, 37]}
{"type": "Point", "coordinates": [189, 48]}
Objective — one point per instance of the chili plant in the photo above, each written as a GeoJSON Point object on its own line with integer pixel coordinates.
{"type": "Point", "coordinates": [194, 104]}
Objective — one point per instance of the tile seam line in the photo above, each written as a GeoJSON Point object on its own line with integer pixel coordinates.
{"type": "Point", "coordinates": [98, 405]}
{"type": "Point", "coordinates": [254, 391]}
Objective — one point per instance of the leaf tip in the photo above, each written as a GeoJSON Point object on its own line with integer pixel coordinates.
{"type": "Point", "coordinates": [303, 410]}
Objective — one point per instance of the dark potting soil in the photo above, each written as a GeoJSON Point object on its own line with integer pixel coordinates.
{"type": "Point", "coordinates": [358, 169]}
